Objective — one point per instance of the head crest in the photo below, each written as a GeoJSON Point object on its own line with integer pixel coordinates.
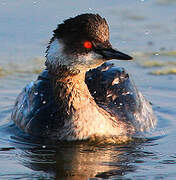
{"type": "Point", "coordinates": [92, 26]}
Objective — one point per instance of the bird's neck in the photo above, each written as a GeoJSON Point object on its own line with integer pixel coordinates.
{"type": "Point", "coordinates": [73, 90]}
{"type": "Point", "coordinates": [83, 118]}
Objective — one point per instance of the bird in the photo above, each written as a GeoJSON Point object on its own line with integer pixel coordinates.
{"type": "Point", "coordinates": [80, 94]}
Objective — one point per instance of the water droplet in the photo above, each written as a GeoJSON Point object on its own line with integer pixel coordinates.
{"type": "Point", "coordinates": [95, 92]}
{"type": "Point", "coordinates": [120, 104]}
{"type": "Point", "coordinates": [43, 146]}
{"type": "Point", "coordinates": [90, 9]}
{"type": "Point", "coordinates": [156, 54]}
{"type": "Point", "coordinates": [147, 32]}
{"type": "Point", "coordinates": [44, 102]}
{"type": "Point", "coordinates": [35, 93]}
{"type": "Point", "coordinates": [125, 93]}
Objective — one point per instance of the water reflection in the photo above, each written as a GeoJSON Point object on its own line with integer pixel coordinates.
{"type": "Point", "coordinates": [81, 161]}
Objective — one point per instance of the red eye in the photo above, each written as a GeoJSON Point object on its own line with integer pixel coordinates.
{"type": "Point", "coordinates": [88, 44]}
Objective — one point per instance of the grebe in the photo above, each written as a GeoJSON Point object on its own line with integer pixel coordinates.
{"type": "Point", "coordinates": [77, 96]}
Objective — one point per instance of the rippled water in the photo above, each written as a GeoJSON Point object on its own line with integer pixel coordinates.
{"type": "Point", "coordinates": [144, 29]}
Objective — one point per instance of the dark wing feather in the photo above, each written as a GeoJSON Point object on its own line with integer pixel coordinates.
{"type": "Point", "coordinates": [35, 108]}
{"type": "Point", "coordinates": [114, 90]}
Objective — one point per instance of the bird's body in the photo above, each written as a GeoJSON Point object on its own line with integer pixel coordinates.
{"type": "Point", "coordinates": [68, 102]}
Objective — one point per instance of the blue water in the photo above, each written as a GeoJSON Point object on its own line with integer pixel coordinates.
{"type": "Point", "coordinates": [141, 28]}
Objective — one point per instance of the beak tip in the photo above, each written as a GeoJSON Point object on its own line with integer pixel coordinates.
{"type": "Point", "coordinates": [110, 53]}
{"type": "Point", "coordinates": [126, 57]}
{"type": "Point", "coordinates": [130, 58]}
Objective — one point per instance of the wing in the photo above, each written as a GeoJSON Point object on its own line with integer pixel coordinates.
{"type": "Point", "coordinates": [35, 109]}
{"type": "Point", "coordinates": [114, 90]}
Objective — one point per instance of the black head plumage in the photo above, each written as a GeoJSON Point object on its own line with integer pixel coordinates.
{"type": "Point", "coordinates": [85, 27]}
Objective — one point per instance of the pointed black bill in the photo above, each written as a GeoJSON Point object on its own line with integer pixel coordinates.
{"type": "Point", "coordinates": [110, 53]}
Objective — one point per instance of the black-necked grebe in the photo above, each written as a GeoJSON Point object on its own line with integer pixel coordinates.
{"type": "Point", "coordinates": [74, 100]}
